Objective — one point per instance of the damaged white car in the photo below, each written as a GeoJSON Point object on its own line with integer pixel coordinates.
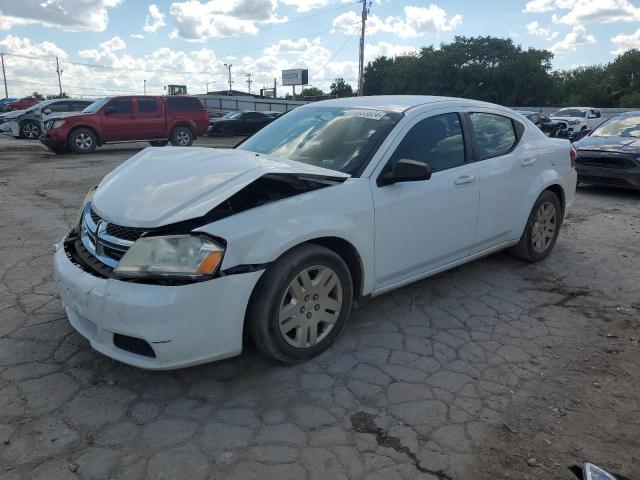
{"type": "Point", "coordinates": [179, 254]}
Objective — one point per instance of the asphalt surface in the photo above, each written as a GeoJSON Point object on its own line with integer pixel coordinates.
{"type": "Point", "coordinates": [497, 369]}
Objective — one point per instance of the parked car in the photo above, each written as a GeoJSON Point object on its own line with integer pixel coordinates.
{"type": "Point", "coordinates": [239, 123]}
{"type": "Point", "coordinates": [22, 104]}
{"type": "Point", "coordinates": [6, 117]}
{"type": "Point", "coordinates": [158, 120]}
{"type": "Point", "coordinates": [551, 128]}
{"type": "Point", "coordinates": [580, 120]}
{"type": "Point", "coordinates": [177, 254]}
{"type": "Point", "coordinates": [4, 103]}
{"type": "Point", "coordinates": [610, 155]}
{"type": "Point", "coordinates": [274, 115]}
{"type": "Point", "coordinates": [28, 123]}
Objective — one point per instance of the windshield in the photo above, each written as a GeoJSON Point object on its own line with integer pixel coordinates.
{"type": "Point", "coordinates": [95, 106]}
{"type": "Point", "coordinates": [570, 112]}
{"type": "Point", "coordinates": [336, 138]}
{"type": "Point", "coordinates": [232, 115]}
{"type": "Point", "coordinates": [619, 127]}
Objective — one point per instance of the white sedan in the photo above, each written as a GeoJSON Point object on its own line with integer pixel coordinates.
{"type": "Point", "coordinates": [180, 253]}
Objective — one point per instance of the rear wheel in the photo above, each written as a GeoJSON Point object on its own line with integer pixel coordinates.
{"type": "Point", "coordinates": [158, 143]}
{"type": "Point", "coordinates": [301, 304]}
{"type": "Point", "coordinates": [83, 140]}
{"type": "Point", "coordinates": [181, 137]}
{"type": "Point", "coordinates": [542, 229]}
{"type": "Point", "coordinates": [30, 130]}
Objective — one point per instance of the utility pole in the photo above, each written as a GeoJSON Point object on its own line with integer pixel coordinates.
{"type": "Point", "coordinates": [275, 88]}
{"type": "Point", "coordinates": [145, 87]}
{"type": "Point", "coordinates": [59, 72]}
{"type": "Point", "coordinates": [4, 75]}
{"type": "Point", "coordinates": [365, 12]}
{"type": "Point", "coordinates": [228, 67]}
{"type": "Point", "coordinates": [249, 82]}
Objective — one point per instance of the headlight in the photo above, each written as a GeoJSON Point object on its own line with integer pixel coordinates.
{"type": "Point", "coordinates": [87, 200]}
{"type": "Point", "coordinates": [177, 255]}
{"type": "Point", "coordinates": [57, 124]}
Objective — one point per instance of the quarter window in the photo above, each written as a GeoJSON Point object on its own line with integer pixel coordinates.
{"type": "Point", "coordinates": [58, 107]}
{"type": "Point", "coordinates": [147, 105]}
{"type": "Point", "coordinates": [122, 106]}
{"type": "Point", "coordinates": [495, 135]}
{"type": "Point", "coordinates": [436, 141]}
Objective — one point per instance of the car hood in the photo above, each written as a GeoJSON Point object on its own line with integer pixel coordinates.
{"type": "Point", "coordinates": [610, 144]}
{"type": "Point", "coordinates": [56, 116]}
{"type": "Point", "coordinates": [12, 114]}
{"type": "Point", "coordinates": [162, 186]}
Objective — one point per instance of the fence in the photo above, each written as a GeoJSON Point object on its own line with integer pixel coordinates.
{"type": "Point", "coordinates": [223, 102]}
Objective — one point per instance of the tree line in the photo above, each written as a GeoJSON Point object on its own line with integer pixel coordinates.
{"type": "Point", "coordinates": [498, 71]}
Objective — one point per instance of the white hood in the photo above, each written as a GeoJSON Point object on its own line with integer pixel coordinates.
{"type": "Point", "coordinates": [161, 186]}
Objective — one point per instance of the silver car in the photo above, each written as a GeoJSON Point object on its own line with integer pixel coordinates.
{"type": "Point", "coordinates": [28, 123]}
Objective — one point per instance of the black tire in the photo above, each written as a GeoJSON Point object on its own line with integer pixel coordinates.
{"type": "Point", "coordinates": [529, 248]}
{"type": "Point", "coordinates": [181, 136]}
{"type": "Point", "coordinates": [158, 143]}
{"type": "Point", "coordinates": [30, 130]}
{"type": "Point", "coordinates": [273, 289]}
{"type": "Point", "coordinates": [82, 140]}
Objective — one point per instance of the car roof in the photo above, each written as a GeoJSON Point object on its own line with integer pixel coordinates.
{"type": "Point", "coordinates": [398, 103]}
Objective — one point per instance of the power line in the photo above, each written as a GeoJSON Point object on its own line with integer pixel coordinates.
{"type": "Point", "coordinates": [75, 87]}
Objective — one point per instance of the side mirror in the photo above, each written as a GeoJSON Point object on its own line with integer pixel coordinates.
{"type": "Point", "coordinates": [46, 111]}
{"type": "Point", "coordinates": [109, 110]}
{"type": "Point", "coordinates": [406, 170]}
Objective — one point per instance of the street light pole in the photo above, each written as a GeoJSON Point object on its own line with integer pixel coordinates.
{"type": "Point", "coordinates": [228, 67]}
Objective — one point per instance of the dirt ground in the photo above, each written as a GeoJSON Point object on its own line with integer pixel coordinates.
{"type": "Point", "coordinates": [496, 370]}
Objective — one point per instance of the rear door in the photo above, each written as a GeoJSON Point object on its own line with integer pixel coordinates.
{"type": "Point", "coordinates": [150, 118]}
{"type": "Point", "coordinates": [508, 168]}
{"type": "Point", "coordinates": [423, 225]}
{"type": "Point", "coordinates": [119, 121]}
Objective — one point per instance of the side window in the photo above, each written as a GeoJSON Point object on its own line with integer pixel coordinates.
{"type": "Point", "coordinates": [437, 141]}
{"type": "Point", "coordinates": [597, 113]}
{"type": "Point", "coordinates": [183, 104]}
{"type": "Point", "coordinates": [78, 106]}
{"type": "Point", "coordinates": [146, 105]}
{"type": "Point", "coordinates": [495, 135]}
{"type": "Point", "coordinates": [122, 105]}
{"type": "Point", "coordinates": [59, 107]}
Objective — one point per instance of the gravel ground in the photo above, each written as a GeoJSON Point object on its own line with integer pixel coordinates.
{"type": "Point", "coordinates": [497, 369]}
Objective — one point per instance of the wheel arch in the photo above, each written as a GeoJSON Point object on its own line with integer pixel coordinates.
{"type": "Point", "coordinates": [557, 189]}
{"type": "Point", "coordinates": [183, 123]}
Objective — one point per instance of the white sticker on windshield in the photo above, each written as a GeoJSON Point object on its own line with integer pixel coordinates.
{"type": "Point", "coordinates": [371, 114]}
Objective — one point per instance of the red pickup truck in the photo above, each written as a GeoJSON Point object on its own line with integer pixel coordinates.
{"type": "Point", "coordinates": [158, 120]}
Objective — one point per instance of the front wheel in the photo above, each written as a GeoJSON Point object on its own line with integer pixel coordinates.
{"type": "Point", "coordinates": [542, 229]}
{"type": "Point", "coordinates": [83, 140]}
{"type": "Point", "coordinates": [30, 130]}
{"type": "Point", "coordinates": [181, 137]}
{"type": "Point", "coordinates": [301, 304]}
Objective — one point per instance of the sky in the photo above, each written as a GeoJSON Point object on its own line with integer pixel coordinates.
{"type": "Point", "coordinates": [110, 47]}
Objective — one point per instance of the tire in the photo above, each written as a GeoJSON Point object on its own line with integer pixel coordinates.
{"type": "Point", "coordinates": [158, 143]}
{"type": "Point", "coordinates": [276, 297]}
{"type": "Point", "coordinates": [181, 137]}
{"type": "Point", "coordinates": [30, 130]}
{"type": "Point", "coordinates": [82, 140]}
{"type": "Point", "coordinates": [228, 131]}
{"type": "Point", "coordinates": [538, 240]}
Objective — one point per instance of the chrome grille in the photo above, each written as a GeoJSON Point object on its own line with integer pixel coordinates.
{"type": "Point", "coordinates": [106, 241]}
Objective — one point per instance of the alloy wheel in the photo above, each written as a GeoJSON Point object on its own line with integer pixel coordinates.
{"type": "Point", "coordinates": [182, 138]}
{"type": "Point", "coordinates": [84, 141]}
{"type": "Point", "coordinates": [30, 130]}
{"type": "Point", "coordinates": [310, 307]}
{"type": "Point", "coordinates": [544, 227]}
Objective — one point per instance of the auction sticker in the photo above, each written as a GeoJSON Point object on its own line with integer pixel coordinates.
{"type": "Point", "coordinates": [370, 114]}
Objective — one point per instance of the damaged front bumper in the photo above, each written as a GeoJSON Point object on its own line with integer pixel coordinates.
{"type": "Point", "coordinates": [155, 327]}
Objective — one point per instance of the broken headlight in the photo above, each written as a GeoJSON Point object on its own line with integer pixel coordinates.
{"type": "Point", "coordinates": [171, 256]}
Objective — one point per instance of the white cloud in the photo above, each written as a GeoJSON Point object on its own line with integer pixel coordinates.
{"type": "Point", "coordinates": [305, 5]}
{"type": "Point", "coordinates": [136, 35]}
{"type": "Point", "coordinates": [197, 21]}
{"type": "Point", "coordinates": [155, 19]}
{"type": "Point", "coordinates": [70, 15]}
{"type": "Point", "coordinates": [624, 42]}
{"type": "Point", "coordinates": [600, 11]}
{"type": "Point", "coordinates": [574, 39]}
{"type": "Point", "coordinates": [537, 30]}
{"type": "Point", "coordinates": [417, 22]}
{"type": "Point", "coordinates": [538, 6]}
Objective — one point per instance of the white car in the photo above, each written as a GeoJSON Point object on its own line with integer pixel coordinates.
{"type": "Point", "coordinates": [580, 120]}
{"type": "Point", "coordinates": [178, 253]}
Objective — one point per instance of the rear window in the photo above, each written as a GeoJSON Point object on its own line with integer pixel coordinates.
{"type": "Point", "coordinates": [183, 104]}
{"type": "Point", "coordinates": [495, 135]}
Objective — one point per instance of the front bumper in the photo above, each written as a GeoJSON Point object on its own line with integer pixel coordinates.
{"type": "Point", "coordinates": [54, 138]}
{"type": "Point", "coordinates": [609, 177]}
{"type": "Point", "coordinates": [184, 325]}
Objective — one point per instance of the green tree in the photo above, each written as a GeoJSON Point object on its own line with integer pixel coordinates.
{"type": "Point", "coordinates": [37, 96]}
{"type": "Point", "coordinates": [340, 88]}
{"type": "Point", "coordinates": [312, 92]}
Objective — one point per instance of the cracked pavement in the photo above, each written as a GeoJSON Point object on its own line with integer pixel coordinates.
{"type": "Point", "coordinates": [497, 369]}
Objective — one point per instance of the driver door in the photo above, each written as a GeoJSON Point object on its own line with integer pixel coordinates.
{"type": "Point", "coordinates": [118, 121]}
{"type": "Point", "coordinates": [423, 225]}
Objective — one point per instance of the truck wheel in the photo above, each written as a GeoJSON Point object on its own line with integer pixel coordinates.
{"type": "Point", "coordinates": [181, 137]}
{"type": "Point", "coordinates": [542, 229]}
{"type": "Point", "coordinates": [82, 140]}
{"type": "Point", "coordinates": [30, 130]}
{"type": "Point", "coordinates": [158, 143]}
{"type": "Point", "coordinates": [301, 304]}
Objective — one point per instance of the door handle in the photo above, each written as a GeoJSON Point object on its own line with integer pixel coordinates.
{"type": "Point", "coordinates": [528, 162]}
{"type": "Point", "coordinates": [465, 179]}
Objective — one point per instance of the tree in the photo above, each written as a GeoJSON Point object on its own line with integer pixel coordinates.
{"type": "Point", "coordinates": [57, 95]}
{"type": "Point", "coordinates": [340, 88]}
{"type": "Point", "coordinates": [37, 96]}
{"type": "Point", "coordinates": [312, 92]}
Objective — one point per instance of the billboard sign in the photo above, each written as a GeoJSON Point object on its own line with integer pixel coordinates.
{"type": "Point", "coordinates": [296, 76]}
